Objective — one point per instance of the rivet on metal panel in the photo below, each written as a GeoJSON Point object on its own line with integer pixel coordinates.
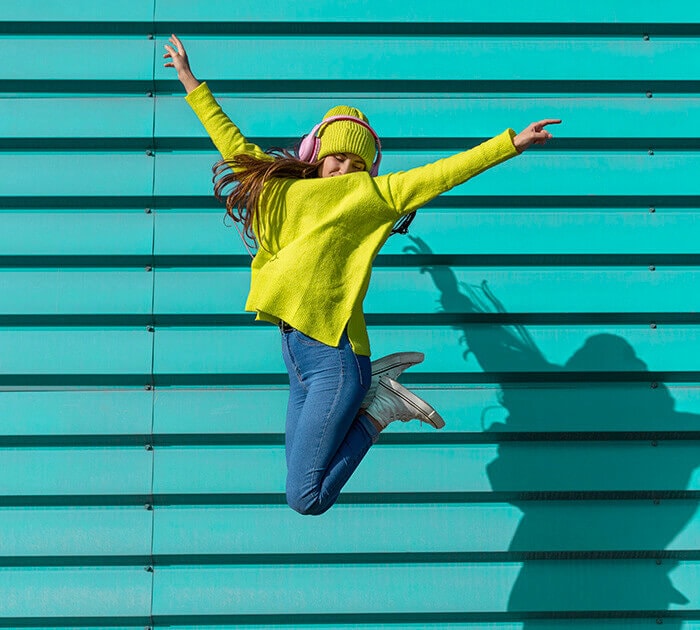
{"type": "Point", "coordinates": [658, 561]}
{"type": "Point", "coordinates": [148, 506]}
{"type": "Point", "coordinates": [148, 268]}
{"type": "Point", "coordinates": [149, 569]}
{"type": "Point", "coordinates": [149, 152]}
{"type": "Point", "coordinates": [150, 36]}
{"type": "Point", "coordinates": [149, 447]}
{"type": "Point", "coordinates": [654, 443]}
{"type": "Point", "coordinates": [149, 94]}
{"type": "Point", "coordinates": [650, 94]}
{"type": "Point", "coordinates": [652, 210]}
{"type": "Point", "coordinates": [652, 268]}
{"type": "Point", "coordinates": [650, 151]}
{"type": "Point", "coordinates": [148, 387]}
{"type": "Point", "coordinates": [150, 328]}
{"type": "Point", "coordinates": [645, 37]}
{"type": "Point", "coordinates": [652, 325]}
{"type": "Point", "coordinates": [657, 502]}
{"type": "Point", "coordinates": [148, 210]}
{"type": "Point", "coordinates": [654, 385]}
{"type": "Point", "coordinates": [659, 621]}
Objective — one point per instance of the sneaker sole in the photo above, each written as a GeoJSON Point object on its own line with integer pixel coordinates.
{"type": "Point", "coordinates": [425, 412]}
{"type": "Point", "coordinates": [392, 361]}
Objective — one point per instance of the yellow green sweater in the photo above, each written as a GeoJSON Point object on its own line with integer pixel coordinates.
{"type": "Point", "coordinates": [320, 236]}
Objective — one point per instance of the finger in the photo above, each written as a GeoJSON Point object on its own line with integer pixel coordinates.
{"type": "Point", "coordinates": [178, 43]}
{"type": "Point", "coordinates": [548, 121]}
{"type": "Point", "coordinates": [171, 51]}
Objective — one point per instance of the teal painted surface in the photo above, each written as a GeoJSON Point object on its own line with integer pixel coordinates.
{"type": "Point", "coordinates": [471, 412]}
{"type": "Point", "coordinates": [72, 291]}
{"type": "Point", "coordinates": [84, 593]}
{"type": "Point", "coordinates": [39, 414]}
{"type": "Point", "coordinates": [566, 480]}
{"type": "Point", "coordinates": [479, 231]}
{"type": "Point", "coordinates": [83, 175]}
{"type": "Point", "coordinates": [615, 118]}
{"type": "Point", "coordinates": [520, 468]}
{"type": "Point", "coordinates": [411, 290]}
{"type": "Point", "coordinates": [637, 175]}
{"type": "Point", "coordinates": [449, 11]}
{"type": "Point", "coordinates": [87, 232]}
{"type": "Point", "coordinates": [45, 534]}
{"type": "Point", "coordinates": [70, 351]}
{"type": "Point", "coordinates": [98, 471]}
{"type": "Point", "coordinates": [76, 11]}
{"type": "Point", "coordinates": [85, 117]}
{"type": "Point", "coordinates": [349, 589]}
{"type": "Point", "coordinates": [463, 528]}
{"type": "Point", "coordinates": [77, 59]}
{"type": "Point", "coordinates": [442, 59]}
{"type": "Point", "coordinates": [244, 350]}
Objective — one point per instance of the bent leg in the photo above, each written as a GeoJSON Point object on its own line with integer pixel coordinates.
{"type": "Point", "coordinates": [330, 438]}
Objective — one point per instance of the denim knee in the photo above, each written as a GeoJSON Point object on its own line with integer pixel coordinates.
{"type": "Point", "coordinates": [308, 504]}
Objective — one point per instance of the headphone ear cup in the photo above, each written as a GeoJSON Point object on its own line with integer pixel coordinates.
{"type": "Point", "coordinates": [306, 148]}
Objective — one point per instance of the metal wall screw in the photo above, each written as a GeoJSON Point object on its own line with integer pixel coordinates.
{"type": "Point", "coordinates": [652, 325]}
{"type": "Point", "coordinates": [649, 95]}
{"type": "Point", "coordinates": [658, 561]}
{"type": "Point", "coordinates": [656, 502]}
{"type": "Point", "coordinates": [149, 152]}
{"type": "Point", "coordinates": [652, 210]}
{"type": "Point", "coordinates": [149, 94]}
{"type": "Point", "coordinates": [150, 328]}
{"type": "Point", "coordinates": [149, 569]}
{"type": "Point", "coordinates": [652, 268]}
{"type": "Point", "coordinates": [149, 447]}
{"type": "Point", "coordinates": [148, 387]}
{"type": "Point", "coordinates": [654, 443]}
{"type": "Point", "coordinates": [148, 268]}
{"type": "Point", "coordinates": [148, 507]}
{"type": "Point", "coordinates": [659, 621]}
{"type": "Point", "coordinates": [147, 210]}
{"type": "Point", "coordinates": [150, 36]}
{"type": "Point", "coordinates": [645, 37]}
{"type": "Point", "coordinates": [654, 385]}
{"type": "Point", "coordinates": [650, 151]}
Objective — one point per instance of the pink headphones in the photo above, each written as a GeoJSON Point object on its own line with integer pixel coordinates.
{"type": "Point", "coordinates": [311, 144]}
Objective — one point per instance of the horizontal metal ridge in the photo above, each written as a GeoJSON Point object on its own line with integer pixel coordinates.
{"type": "Point", "coordinates": [344, 86]}
{"type": "Point", "coordinates": [327, 28]}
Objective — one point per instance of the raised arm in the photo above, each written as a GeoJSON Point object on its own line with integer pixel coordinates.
{"type": "Point", "coordinates": [226, 136]}
{"type": "Point", "coordinates": [409, 190]}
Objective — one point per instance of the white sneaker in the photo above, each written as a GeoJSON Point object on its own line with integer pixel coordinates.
{"type": "Point", "coordinates": [392, 365]}
{"type": "Point", "coordinates": [394, 402]}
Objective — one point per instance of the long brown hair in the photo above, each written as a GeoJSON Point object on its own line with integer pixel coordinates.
{"type": "Point", "coordinates": [248, 176]}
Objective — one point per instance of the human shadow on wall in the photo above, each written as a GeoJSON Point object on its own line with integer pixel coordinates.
{"type": "Point", "coordinates": [579, 552]}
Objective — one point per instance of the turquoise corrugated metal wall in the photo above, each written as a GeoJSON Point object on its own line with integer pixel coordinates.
{"type": "Point", "coordinates": [556, 299]}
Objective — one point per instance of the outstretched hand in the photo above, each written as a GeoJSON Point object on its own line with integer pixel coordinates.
{"type": "Point", "coordinates": [178, 59]}
{"type": "Point", "coordinates": [534, 133]}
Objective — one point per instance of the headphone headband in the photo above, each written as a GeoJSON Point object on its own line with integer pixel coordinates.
{"type": "Point", "coordinates": [311, 144]}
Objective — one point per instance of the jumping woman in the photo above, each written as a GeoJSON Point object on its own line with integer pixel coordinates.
{"type": "Point", "coordinates": [318, 217]}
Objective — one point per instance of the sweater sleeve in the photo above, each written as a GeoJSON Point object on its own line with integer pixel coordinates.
{"type": "Point", "coordinates": [407, 191]}
{"type": "Point", "coordinates": [227, 138]}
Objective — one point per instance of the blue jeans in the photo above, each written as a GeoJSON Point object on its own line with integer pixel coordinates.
{"type": "Point", "coordinates": [326, 437]}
